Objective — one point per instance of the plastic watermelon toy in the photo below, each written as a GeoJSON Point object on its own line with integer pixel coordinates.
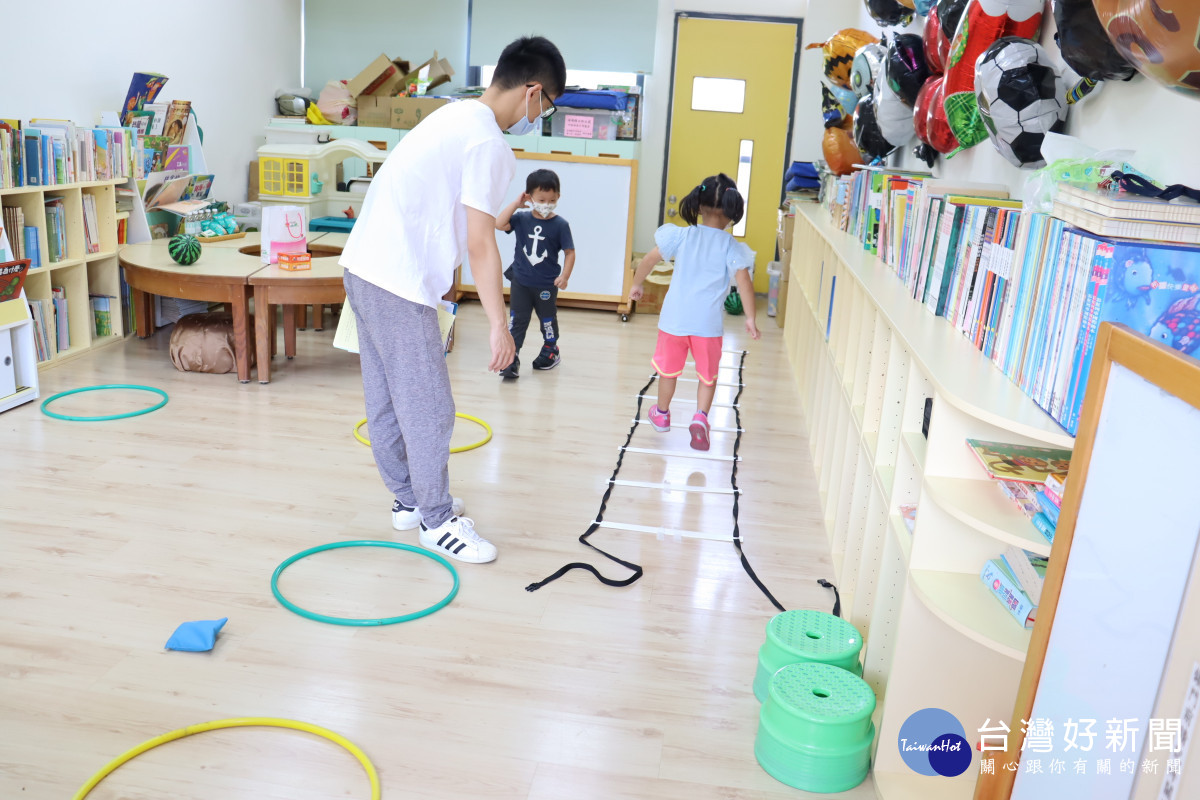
{"type": "Point", "coordinates": [184, 249]}
{"type": "Point", "coordinates": [733, 303]}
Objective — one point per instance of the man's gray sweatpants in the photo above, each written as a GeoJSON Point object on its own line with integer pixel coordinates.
{"type": "Point", "coordinates": [410, 408]}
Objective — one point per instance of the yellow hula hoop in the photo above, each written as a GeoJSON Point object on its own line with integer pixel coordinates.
{"type": "Point", "coordinates": [237, 722]}
{"type": "Point", "coordinates": [487, 437]}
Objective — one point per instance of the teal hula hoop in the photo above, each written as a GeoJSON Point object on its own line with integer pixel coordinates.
{"type": "Point", "coordinates": [295, 609]}
{"type": "Point", "coordinates": [104, 417]}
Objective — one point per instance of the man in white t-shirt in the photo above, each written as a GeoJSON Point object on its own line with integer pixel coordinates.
{"type": "Point", "coordinates": [434, 200]}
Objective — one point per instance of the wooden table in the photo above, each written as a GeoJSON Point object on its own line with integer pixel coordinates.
{"type": "Point", "coordinates": [223, 275]}
{"type": "Point", "coordinates": [321, 285]}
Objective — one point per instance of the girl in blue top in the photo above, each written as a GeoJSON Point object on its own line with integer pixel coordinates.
{"type": "Point", "coordinates": [706, 258]}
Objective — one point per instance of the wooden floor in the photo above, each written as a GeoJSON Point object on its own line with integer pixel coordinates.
{"type": "Point", "coordinates": [113, 533]}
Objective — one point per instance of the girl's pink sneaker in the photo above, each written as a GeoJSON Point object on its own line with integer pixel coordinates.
{"type": "Point", "coordinates": [699, 431]}
{"type": "Point", "coordinates": [661, 420]}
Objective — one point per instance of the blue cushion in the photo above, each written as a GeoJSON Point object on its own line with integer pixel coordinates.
{"type": "Point", "coordinates": [607, 100]}
{"type": "Point", "coordinates": [196, 637]}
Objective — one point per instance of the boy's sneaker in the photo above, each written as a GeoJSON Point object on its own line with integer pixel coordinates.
{"type": "Point", "coordinates": [699, 431]}
{"type": "Point", "coordinates": [548, 358]}
{"type": "Point", "coordinates": [661, 420]}
{"type": "Point", "coordinates": [512, 370]}
{"type": "Point", "coordinates": [405, 518]}
{"type": "Point", "coordinates": [456, 538]}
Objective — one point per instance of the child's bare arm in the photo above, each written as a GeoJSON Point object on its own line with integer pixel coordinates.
{"type": "Point", "coordinates": [644, 269]}
{"type": "Point", "coordinates": [568, 266]}
{"type": "Point", "coordinates": [746, 291]}
{"type": "Point", "coordinates": [504, 221]}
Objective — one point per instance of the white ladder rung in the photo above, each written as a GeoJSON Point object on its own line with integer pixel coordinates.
{"type": "Point", "coordinates": [676, 487]}
{"type": "Point", "coordinates": [718, 383]}
{"type": "Point", "coordinates": [661, 532]}
{"type": "Point", "coordinates": [692, 400]}
{"type": "Point", "coordinates": [713, 428]}
{"type": "Point", "coordinates": [735, 352]}
{"type": "Point", "coordinates": [680, 454]}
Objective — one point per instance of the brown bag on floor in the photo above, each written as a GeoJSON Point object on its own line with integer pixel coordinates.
{"type": "Point", "coordinates": [204, 343]}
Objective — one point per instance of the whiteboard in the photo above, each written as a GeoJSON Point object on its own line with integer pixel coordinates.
{"type": "Point", "coordinates": [595, 201]}
{"type": "Point", "coordinates": [1130, 561]}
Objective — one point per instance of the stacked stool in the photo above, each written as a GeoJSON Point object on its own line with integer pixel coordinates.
{"type": "Point", "coordinates": [815, 730]}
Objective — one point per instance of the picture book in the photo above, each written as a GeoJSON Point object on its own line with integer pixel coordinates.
{"type": "Point", "coordinates": [177, 120]}
{"type": "Point", "coordinates": [1056, 485]}
{"type": "Point", "coordinates": [158, 120]}
{"type": "Point", "coordinates": [155, 149]}
{"type": "Point", "coordinates": [166, 188]}
{"type": "Point", "coordinates": [1019, 462]}
{"type": "Point", "coordinates": [1123, 206]}
{"type": "Point", "coordinates": [1005, 588]}
{"type": "Point", "coordinates": [1029, 569]}
{"type": "Point", "coordinates": [144, 87]}
{"type": "Point", "coordinates": [1023, 496]}
{"type": "Point", "coordinates": [1045, 526]}
{"type": "Point", "coordinates": [12, 278]}
{"type": "Point", "coordinates": [178, 158]}
{"type": "Point", "coordinates": [140, 122]}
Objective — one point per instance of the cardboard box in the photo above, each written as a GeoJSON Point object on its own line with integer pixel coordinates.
{"type": "Point", "coordinates": [787, 225]}
{"type": "Point", "coordinates": [294, 262]}
{"type": "Point", "coordinates": [393, 83]}
{"type": "Point", "coordinates": [407, 112]}
{"type": "Point", "coordinates": [373, 77]}
{"type": "Point", "coordinates": [654, 289]}
{"type": "Point", "coordinates": [433, 72]}
{"type": "Point", "coordinates": [374, 111]}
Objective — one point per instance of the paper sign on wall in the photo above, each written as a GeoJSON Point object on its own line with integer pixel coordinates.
{"type": "Point", "coordinates": [579, 126]}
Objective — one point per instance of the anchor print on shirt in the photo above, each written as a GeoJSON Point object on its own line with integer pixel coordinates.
{"type": "Point", "coordinates": [532, 254]}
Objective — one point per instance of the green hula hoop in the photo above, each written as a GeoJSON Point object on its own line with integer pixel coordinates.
{"type": "Point", "coordinates": [295, 609]}
{"type": "Point", "coordinates": [104, 417]}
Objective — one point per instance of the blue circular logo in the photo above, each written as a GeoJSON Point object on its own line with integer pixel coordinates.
{"type": "Point", "coordinates": [933, 742]}
{"type": "Point", "coordinates": [546, 295]}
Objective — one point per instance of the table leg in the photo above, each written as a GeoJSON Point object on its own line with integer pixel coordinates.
{"type": "Point", "coordinates": [271, 312]}
{"type": "Point", "coordinates": [262, 328]}
{"type": "Point", "coordinates": [302, 317]}
{"type": "Point", "coordinates": [318, 317]}
{"type": "Point", "coordinates": [241, 333]}
{"type": "Point", "coordinates": [289, 330]}
{"type": "Point", "coordinates": [143, 313]}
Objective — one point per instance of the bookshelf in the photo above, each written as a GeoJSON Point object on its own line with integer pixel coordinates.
{"type": "Point", "coordinates": [866, 356]}
{"type": "Point", "coordinates": [79, 273]}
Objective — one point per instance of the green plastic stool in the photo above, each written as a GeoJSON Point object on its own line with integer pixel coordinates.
{"type": "Point", "coordinates": [804, 636]}
{"type": "Point", "coordinates": [815, 729]}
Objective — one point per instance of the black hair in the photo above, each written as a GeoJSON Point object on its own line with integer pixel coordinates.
{"type": "Point", "coordinates": [542, 179]}
{"type": "Point", "coordinates": [718, 192]}
{"type": "Point", "coordinates": [531, 59]}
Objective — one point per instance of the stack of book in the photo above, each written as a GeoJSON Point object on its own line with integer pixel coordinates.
{"type": "Point", "coordinates": [22, 238]}
{"type": "Point", "coordinates": [1032, 477]}
{"type": "Point", "coordinates": [102, 314]}
{"type": "Point", "coordinates": [1129, 216]}
{"type": "Point", "coordinates": [91, 224]}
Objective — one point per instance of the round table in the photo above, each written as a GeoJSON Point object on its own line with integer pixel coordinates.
{"type": "Point", "coordinates": [226, 274]}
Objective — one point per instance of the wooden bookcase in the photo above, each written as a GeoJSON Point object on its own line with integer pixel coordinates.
{"type": "Point", "coordinates": [866, 356]}
{"type": "Point", "coordinates": [79, 273]}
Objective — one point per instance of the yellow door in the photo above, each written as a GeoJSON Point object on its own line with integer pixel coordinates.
{"type": "Point", "coordinates": [732, 100]}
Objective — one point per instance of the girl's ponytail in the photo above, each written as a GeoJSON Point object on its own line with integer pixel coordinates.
{"type": "Point", "coordinates": [731, 203]}
{"type": "Point", "coordinates": [689, 207]}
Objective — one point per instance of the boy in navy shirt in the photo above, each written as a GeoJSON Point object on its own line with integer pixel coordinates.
{"type": "Point", "coordinates": [535, 274]}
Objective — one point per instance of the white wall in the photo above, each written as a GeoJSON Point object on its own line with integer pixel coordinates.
{"type": "Point", "coordinates": [658, 91]}
{"type": "Point", "coordinates": [343, 37]}
{"type": "Point", "coordinates": [1159, 124]}
{"type": "Point", "coordinates": [217, 55]}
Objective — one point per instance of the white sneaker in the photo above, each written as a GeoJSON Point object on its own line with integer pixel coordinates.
{"type": "Point", "coordinates": [456, 537]}
{"type": "Point", "coordinates": [405, 518]}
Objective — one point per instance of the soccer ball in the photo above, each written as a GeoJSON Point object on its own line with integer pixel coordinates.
{"type": "Point", "coordinates": [1021, 98]}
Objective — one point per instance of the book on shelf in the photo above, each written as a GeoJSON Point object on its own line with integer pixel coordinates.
{"type": "Point", "coordinates": [177, 120]}
{"type": "Point", "coordinates": [56, 229]}
{"type": "Point", "coordinates": [51, 152]}
{"type": "Point", "coordinates": [12, 279]}
{"type": "Point", "coordinates": [158, 122]}
{"type": "Point", "coordinates": [1044, 526]}
{"type": "Point", "coordinates": [1019, 462]}
{"type": "Point", "coordinates": [62, 323]}
{"type": "Point", "coordinates": [1127, 228]}
{"type": "Point", "coordinates": [178, 158]}
{"type": "Point", "coordinates": [1023, 496]}
{"type": "Point", "coordinates": [1005, 588]}
{"type": "Point", "coordinates": [1125, 206]}
{"type": "Point", "coordinates": [102, 314]}
{"type": "Point", "coordinates": [144, 87]}
{"type": "Point", "coordinates": [91, 224]}
{"type": "Point", "coordinates": [1029, 569]}
{"type": "Point", "coordinates": [1054, 487]}
{"type": "Point", "coordinates": [1047, 506]}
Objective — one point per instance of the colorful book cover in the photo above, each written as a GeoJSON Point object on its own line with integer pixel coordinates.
{"type": "Point", "coordinates": [1022, 496]}
{"type": "Point", "coordinates": [12, 278]}
{"type": "Point", "coordinates": [155, 149]}
{"type": "Point", "coordinates": [1005, 588]}
{"type": "Point", "coordinates": [33, 250]}
{"type": "Point", "coordinates": [144, 87]}
{"type": "Point", "coordinates": [177, 120]}
{"type": "Point", "coordinates": [1055, 487]}
{"type": "Point", "coordinates": [179, 157]}
{"type": "Point", "coordinates": [1044, 526]}
{"type": "Point", "coordinates": [1048, 507]}
{"type": "Point", "coordinates": [1019, 462]}
{"type": "Point", "coordinates": [158, 121]}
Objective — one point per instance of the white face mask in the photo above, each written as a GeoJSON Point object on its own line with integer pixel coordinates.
{"type": "Point", "coordinates": [523, 126]}
{"type": "Point", "coordinates": [545, 209]}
